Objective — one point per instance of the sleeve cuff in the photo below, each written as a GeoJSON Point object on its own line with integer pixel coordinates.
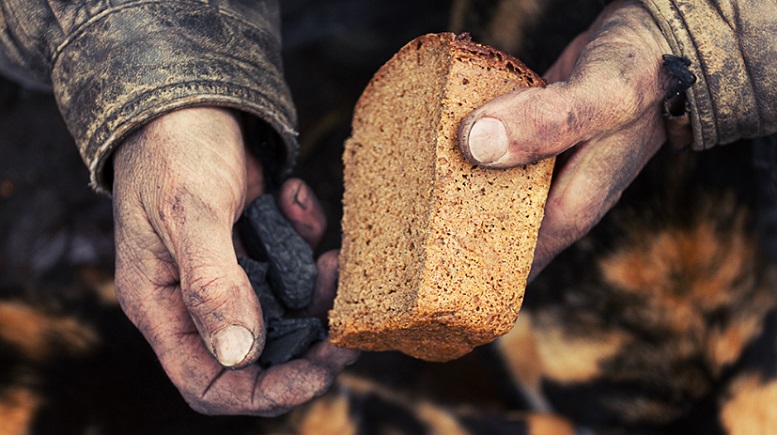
{"type": "Point", "coordinates": [723, 103]}
{"type": "Point", "coordinates": [133, 63]}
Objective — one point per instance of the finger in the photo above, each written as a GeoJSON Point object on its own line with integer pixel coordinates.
{"type": "Point", "coordinates": [285, 386]}
{"type": "Point", "coordinates": [205, 384]}
{"type": "Point", "coordinates": [326, 286]}
{"type": "Point", "coordinates": [530, 125]}
{"type": "Point", "coordinates": [590, 183]}
{"type": "Point", "coordinates": [214, 287]}
{"type": "Point", "coordinates": [300, 205]}
{"type": "Point", "coordinates": [333, 359]}
{"type": "Point", "coordinates": [616, 77]}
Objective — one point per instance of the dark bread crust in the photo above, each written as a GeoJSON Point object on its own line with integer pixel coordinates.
{"type": "Point", "coordinates": [496, 58]}
{"type": "Point", "coordinates": [464, 45]}
{"type": "Point", "coordinates": [435, 250]}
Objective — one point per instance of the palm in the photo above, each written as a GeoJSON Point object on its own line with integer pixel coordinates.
{"type": "Point", "coordinates": [176, 198]}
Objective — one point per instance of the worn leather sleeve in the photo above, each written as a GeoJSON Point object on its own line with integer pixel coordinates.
{"type": "Point", "coordinates": [115, 64]}
{"type": "Point", "coordinates": [732, 48]}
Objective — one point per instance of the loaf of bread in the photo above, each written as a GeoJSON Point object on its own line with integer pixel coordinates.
{"type": "Point", "coordinates": [435, 251]}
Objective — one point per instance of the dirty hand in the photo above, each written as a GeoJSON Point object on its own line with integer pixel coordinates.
{"type": "Point", "coordinates": [180, 184]}
{"type": "Point", "coordinates": [601, 112]}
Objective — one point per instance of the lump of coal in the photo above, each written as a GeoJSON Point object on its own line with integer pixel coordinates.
{"type": "Point", "coordinates": [257, 275]}
{"type": "Point", "coordinates": [268, 236]}
{"type": "Point", "coordinates": [283, 274]}
{"type": "Point", "coordinates": [288, 338]}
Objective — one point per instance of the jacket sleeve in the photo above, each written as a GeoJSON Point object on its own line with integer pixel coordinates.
{"type": "Point", "coordinates": [115, 64]}
{"type": "Point", "coordinates": [732, 48]}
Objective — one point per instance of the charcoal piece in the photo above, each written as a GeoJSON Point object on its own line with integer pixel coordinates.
{"type": "Point", "coordinates": [267, 235]}
{"type": "Point", "coordinates": [289, 338]}
{"type": "Point", "coordinates": [280, 327]}
{"type": "Point", "coordinates": [257, 275]}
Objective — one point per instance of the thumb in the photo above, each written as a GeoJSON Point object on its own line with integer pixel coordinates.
{"type": "Point", "coordinates": [186, 171]}
{"type": "Point", "coordinates": [522, 127]}
{"type": "Point", "coordinates": [533, 124]}
{"type": "Point", "coordinates": [215, 290]}
{"type": "Point", "coordinates": [616, 78]}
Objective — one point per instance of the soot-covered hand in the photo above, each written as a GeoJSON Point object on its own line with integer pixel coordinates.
{"type": "Point", "coordinates": [180, 184]}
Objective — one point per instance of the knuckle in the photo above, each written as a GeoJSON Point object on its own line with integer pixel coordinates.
{"type": "Point", "coordinates": [199, 406]}
{"type": "Point", "coordinates": [298, 386]}
{"type": "Point", "coordinates": [571, 218]}
{"type": "Point", "coordinates": [191, 394]}
{"type": "Point", "coordinates": [630, 101]}
{"type": "Point", "coordinates": [273, 407]}
{"type": "Point", "coordinates": [204, 292]}
{"type": "Point", "coordinates": [574, 215]}
{"type": "Point", "coordinates": [203, 403]}
{"type": "Point", "coordinates": [556, 120]}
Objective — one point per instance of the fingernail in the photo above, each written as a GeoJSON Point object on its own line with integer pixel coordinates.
{"type": "Point", "coordinates": [488, 140]}
{"type": "Point", "coordinates": [302, 197]}
{"type": "Point", "coordinates": [232, 344]}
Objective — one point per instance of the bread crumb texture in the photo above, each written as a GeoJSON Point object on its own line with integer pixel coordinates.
{"type": "Point", "coordinates": [435, 250]}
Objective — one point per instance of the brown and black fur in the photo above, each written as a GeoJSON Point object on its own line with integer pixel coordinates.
{"type": "Point", "coordinates": [647, 322]}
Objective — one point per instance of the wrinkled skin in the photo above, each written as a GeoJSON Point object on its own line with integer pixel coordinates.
{"type": "Point", "coordinates": [180, 184]}
{"type": "Point", "coordinates": [601, 114]}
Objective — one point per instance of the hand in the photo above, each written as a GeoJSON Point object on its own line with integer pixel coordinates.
{"type": "Point", "coordinates": [601, 112]}
{"type": "Point", "coordinates": [180, 184]}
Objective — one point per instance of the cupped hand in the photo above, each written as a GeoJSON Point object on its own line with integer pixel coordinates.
{"type": "Point", "coordinates": [180, 183]}
{"type": "Point", "coordinates": [601, 112]}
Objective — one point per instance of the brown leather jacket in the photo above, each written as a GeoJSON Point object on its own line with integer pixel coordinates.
{"type": "Point", "coordinates": [115, 64]}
